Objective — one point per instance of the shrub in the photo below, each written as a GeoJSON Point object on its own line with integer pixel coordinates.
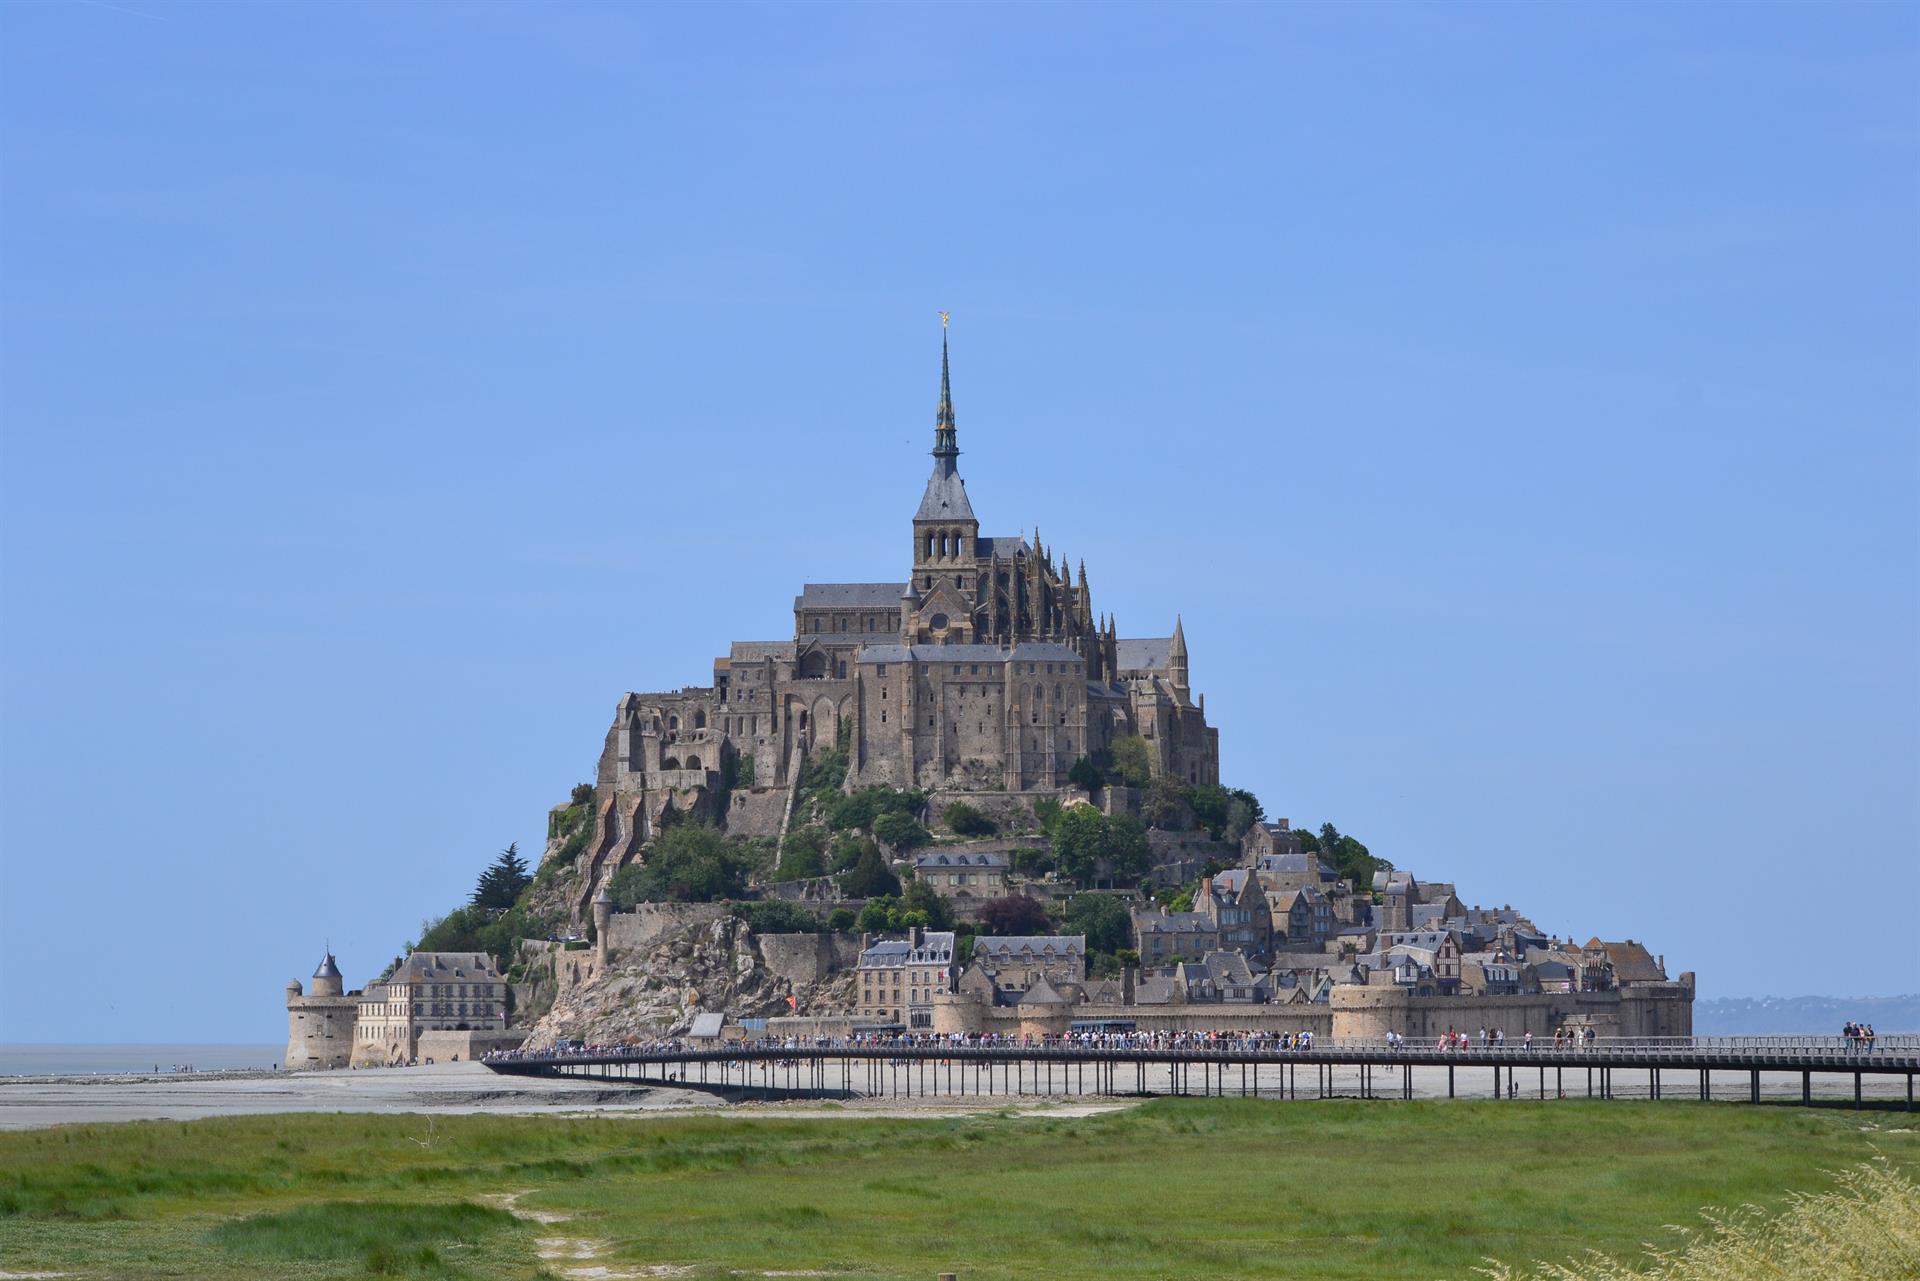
{"type": "Point", "coordinates": [1086, 774]}
{"type": "Point", "coordinates": [1014, 914]}
{"type": "Point", "coordinates": [802, 854]}
{"type": "Point", "coordinates": [869, 877]}
{"type": "Point", "coordinates": [688, 863]}
{"type": "Point", "coordinates": [901, 831]}
{"type": "Point", "coordinates": [771, 916]}
{"type": "Point", "coordinates": [841, 920]}
{"type": "Point", "coordinates": [582, 794]}
{"type": "Point", "coordinates": [963, 819]}
{"type": "Point", "coordinates": [1132, 761]}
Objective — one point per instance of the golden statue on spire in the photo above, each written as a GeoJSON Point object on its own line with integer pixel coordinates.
{"type": "Point", "coordinates": [943, 320]}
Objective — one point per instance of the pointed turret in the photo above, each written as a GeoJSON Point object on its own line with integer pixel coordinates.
{"type": "Point", "coordinates": [1177, 659]}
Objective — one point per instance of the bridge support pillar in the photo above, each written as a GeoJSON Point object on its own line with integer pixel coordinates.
{"type": "Point", "coordinates": [1449, 1080]}
{"type": "Point", "coordinates": [1806, 1086]}
{"type": "Point", "coordinates": [1856, 1089]}
{"type": "Point", "coordinates": [1753, 1085]}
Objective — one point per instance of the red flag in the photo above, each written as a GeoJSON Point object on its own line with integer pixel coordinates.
{"type": "Point", "coordinates": [792, 1004]}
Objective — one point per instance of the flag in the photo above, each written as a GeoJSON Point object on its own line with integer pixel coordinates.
{"type": "Point", "coordinates": [792, 1004]}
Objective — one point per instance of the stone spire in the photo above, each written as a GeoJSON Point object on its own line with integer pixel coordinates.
{"type": "Point", "coordinates": [1177, 658]}
{"type": "Point", "coordinates": [946, 496]}
{"type": "Point", "coordinates": [946, 442]}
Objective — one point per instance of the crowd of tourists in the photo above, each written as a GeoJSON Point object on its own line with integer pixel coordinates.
{"type": "Point", "coordinates": [1858, 1036]}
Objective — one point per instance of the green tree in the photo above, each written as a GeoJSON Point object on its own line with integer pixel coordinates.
{"type": "Point", "coordinates": [1086, 774]}
{"type": "Point", "coordinates": [1014, 914]}
{"type": "Point", "coordinates": [841, 920]}
{"type": "Point", "coordinates": [1102, 918]}
{"type": "Point", "coordinates": [688, 863]}
{"type": "Point", "coordinates": [582, 794]}
{"type": "Point", "coordinates": [901, 831]}
{"type": "Point", "coordinates": [1165, 804]}
{"type": "Point", "coordinates": [847, 850]}
{"type": "Point", "coordinates": [1210, 804]}
{"type": "Point", "coordinates": [923, 898]}
{"type": "Point", "coordinates": [1132, 760]}
{"type": "Point", "coordinates": [802, 854]}
{"type": "Point", "coordinates": [880, 915]}
{"type": "Point", "coordinates": [772, 916]}
{"type": "Point", "coordinates": [963, 819]}
{"type": "Point", "coordinates": [500, 885]}
{"type": "Point", "coordinates": [1046, 812]}
{"type": "Point", "coordinates": [1079, 839]}
{"type": "Point", "coordinates": [1243, 811]}
{"type": "Point", "coordinates": [1128, 855]}
{"type": "Point", "coordinates": [870, 877]}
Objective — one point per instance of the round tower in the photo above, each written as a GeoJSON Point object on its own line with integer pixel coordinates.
{"type": "Point", "coordinates": [326, 979]}
{"type": "Point", "coordinates": [320, 1023]}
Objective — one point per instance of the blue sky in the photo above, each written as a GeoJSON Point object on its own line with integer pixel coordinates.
{"type": "Point", "coordinates": [1518, 402]}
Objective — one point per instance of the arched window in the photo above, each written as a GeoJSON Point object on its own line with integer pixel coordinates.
{"type": "Point", "coordinates": [693, 762]}
{"type": "Point", "coordinates": [699, 720]}
{"type": "Point", "coordinates": [672, 762]}
{"type": "Point", "coordinates": [673, 722]}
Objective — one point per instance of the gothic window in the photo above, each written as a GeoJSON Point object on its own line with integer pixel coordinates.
{"type": "Point", "coordinates": [673, 722]}
{"type": "Point", "coordinates": [699, 720]}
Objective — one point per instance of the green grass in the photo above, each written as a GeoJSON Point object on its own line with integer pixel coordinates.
{"type": "Point", "coordinates": [1176, 1188]}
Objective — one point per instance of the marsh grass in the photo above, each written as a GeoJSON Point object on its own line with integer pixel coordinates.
{"type": "Point", "coordinates": [1179, 1187]}
{"type": "Point", "coordinates": [1865, 1228]}
{"type": "Point", "coordinates": [384, 1238]}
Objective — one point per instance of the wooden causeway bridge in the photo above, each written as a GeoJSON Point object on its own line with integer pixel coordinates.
{"type": "Point", "coordinates": [1608, 1069]}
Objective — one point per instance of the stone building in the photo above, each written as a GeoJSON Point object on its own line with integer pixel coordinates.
{"type": "Point", "coordinates": [320, 1023]}
{"type": "Point", "coordinates": [429, 993]}
{"type": "Point", "coordinates": [964, 873]}
{"type": "Point", "coordinates": [1016, 963]}
{"type": "Point", "coordinates": [986, 669]}
{"type": "Point", "coordinates": [899, 978]}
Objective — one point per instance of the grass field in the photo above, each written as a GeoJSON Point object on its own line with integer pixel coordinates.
{"type": "Point", "coordinates": [1175, 1188]}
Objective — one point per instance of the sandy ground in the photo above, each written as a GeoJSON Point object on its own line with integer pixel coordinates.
{"type": "Point", "coordinates": [457, 1088]}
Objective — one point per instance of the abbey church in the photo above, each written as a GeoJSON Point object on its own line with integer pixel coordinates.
{"type": "Point", "coordinates": [986, 670]}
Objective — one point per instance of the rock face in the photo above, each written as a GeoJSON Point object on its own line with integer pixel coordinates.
{"type": "Point", "coordinates": [655, 990]}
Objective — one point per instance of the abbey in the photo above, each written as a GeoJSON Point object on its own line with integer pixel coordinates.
{"type": "Point", "coordinates": [986, 669]}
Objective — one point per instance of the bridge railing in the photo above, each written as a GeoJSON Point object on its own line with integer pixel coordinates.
{"type": "Point", "coordinates": [1757, 1050]}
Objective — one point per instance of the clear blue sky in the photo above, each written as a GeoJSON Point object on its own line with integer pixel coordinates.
{"type": "Point", "coordinates": [1519, 402]}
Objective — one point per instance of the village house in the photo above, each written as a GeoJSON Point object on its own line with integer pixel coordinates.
{"type": "Point", "coordinates": [898, 978]}
{"type": "Point", "coordinates": [961, 874]}
{"type": "Point", "coordinates": [1161, 936]}
{"type": "Point", "coordinates": [1236, 905]}
{"type": "Point", "coordinates": [1015, 963]}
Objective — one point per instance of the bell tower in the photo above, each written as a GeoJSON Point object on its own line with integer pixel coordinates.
{"type": "Point", "coordinates": [945, 532]}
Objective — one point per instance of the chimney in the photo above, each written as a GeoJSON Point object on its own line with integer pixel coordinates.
{"type": "Point", "coordinates": [915, 935]}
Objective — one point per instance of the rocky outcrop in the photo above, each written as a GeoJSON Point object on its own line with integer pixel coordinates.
{"type": "Point", "coordinates": [655, 990]}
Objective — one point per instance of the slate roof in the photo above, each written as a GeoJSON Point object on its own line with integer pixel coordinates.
{"type": "Point", "coordinates": [995, 945]}
{"type": "Point", "coordinates": [327, 970]}
{"type": "Point", "coordinates": [945, 499]}
{"type": "Point", "coordinates": [754, 651]}
{"type": "Point", "coordinates": [962, 859]}
{"type": "Point", "coordinates": [936, 948]}
{"type": "Point", "coordinates": [1297, 861]}
{"type": "Point", "coordinates": [1032, 652]}
{"type": "Point", "coordinates": [1002, 545]}
{"type": "Point", "coordinates": [1143, 653]}
{"type": "Point", "coordinates": [1173, 922]}
{"type": "Point", "coordinates": [849, 596]}
{"type": "Point", "coordinates": [441, 967]}
{"type": "Point", "coordinates": [1631, 962]}
{"type": "Point", "coordinates": [707, 1025]}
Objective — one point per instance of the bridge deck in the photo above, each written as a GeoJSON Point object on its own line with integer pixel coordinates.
{"type": "Point", "coordinates": [854, 1070]}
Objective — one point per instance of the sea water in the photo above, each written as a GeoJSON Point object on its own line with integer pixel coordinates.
{"type": "Point", "coordinates": [104, 1060]}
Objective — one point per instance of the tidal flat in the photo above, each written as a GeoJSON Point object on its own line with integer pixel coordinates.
{"type": "Point", "coordinates": [1226, 1188]}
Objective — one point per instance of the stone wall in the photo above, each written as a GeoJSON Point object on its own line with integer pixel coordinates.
{"type": "Point", "coordinates": [808, 958]}
{"type": "Point", "coordinates": [463, 1047]}
{"type": "Point", "coordinates": [320, 1031]}
{"type": "Point", "coordinates": [757, 811]}
{"type": "Point", "coordinates": [649, 921]}
{"type": "Point", "coordinates": [1371, 1012]}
